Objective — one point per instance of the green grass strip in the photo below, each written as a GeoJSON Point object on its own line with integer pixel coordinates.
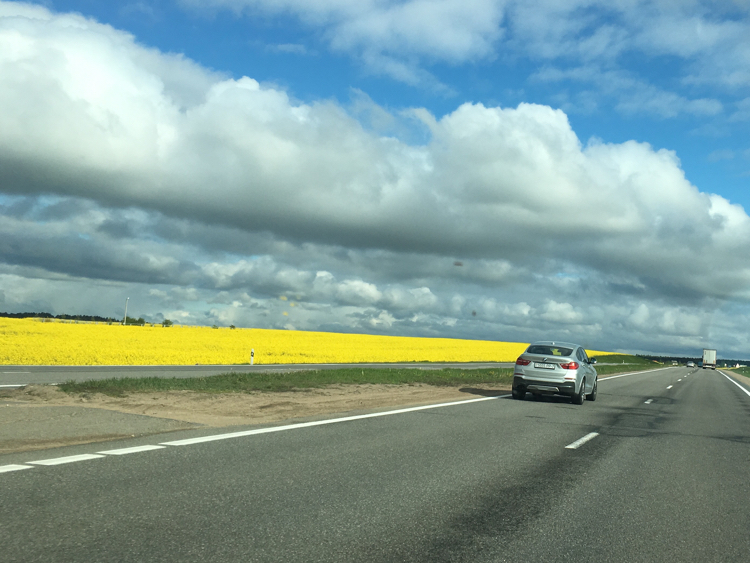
{"type": "Point", "coordinates": [742, 371]}
{"type": "Point", "coordinates": [238, 382]}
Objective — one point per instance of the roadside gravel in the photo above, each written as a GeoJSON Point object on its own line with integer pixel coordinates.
{"type": "Point", "coordinates": [41, 416]}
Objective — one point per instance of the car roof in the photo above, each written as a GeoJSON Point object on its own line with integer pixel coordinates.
{"type": "Point", "coordinates": [556, 343]}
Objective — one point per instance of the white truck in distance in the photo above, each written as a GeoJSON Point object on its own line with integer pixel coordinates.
{"type": "Point", "coordinates": [709, 359]}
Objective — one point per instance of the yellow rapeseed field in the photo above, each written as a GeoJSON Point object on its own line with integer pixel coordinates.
{"type": "Point", "coordinates": [34, 342]}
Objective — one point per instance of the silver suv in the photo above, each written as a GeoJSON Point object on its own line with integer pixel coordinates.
{"type": "Point", "coordinates": [555, 368]}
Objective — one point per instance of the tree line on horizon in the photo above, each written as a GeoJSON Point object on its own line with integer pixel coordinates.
{"type": "Point", "coordinates": [686, 359]}
{"type": "Point", "coordinates": [91, 318]}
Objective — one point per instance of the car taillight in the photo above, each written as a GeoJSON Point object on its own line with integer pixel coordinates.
{"type": "Point", "coordinates": [571, 365]}
{"type": "Point", "coordinates": [522, 362]}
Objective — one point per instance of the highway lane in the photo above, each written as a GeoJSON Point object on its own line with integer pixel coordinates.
{"type": "Point", "coordinates": [18, 376]}
{"type": "Point", "coordinates": [664, 479]}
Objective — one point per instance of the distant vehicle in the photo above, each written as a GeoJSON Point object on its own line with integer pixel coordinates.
{"type": "Point", "coordinates": [691, 364]}
{"type": "Point", "coordinates": [555, 368]}
{"type": "Point", "coordinates": [674, 362]}
{"type": "Point", "coordinates": [709, 359]}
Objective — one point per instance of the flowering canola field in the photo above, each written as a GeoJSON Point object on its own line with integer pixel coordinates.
{"type": "Point", "coordinates": [33, 342]}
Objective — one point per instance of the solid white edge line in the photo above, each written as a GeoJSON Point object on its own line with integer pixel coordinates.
{"type": "Point", "coordinates": [240, 434]}
{"type": "Point", "coordinates": [15, 385]}
{"type": "Point", "coordinates": [68, 459]}
{"type": "Point", "coordinates": [581, 441]}
{"type": "Point", "coordinates": [737, 384]}
{"type": "Point", "coordinates": [133, 450]}
{"type": "Point", "coordinates": [9, 468]}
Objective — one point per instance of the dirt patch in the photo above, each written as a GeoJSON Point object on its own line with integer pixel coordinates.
{"type": "Point", "coordinates": [226, 409]}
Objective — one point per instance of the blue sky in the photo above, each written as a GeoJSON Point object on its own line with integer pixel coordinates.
{"type": "Point", "coordinates": [279, 47]}
{"type": "Point", "coordinates": [585, 162]}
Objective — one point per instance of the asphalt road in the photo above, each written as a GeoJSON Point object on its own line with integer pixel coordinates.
{"type": "Point", "coordinates": [664, 476]}
{"type": "Point", "coordinates": [18, 376]}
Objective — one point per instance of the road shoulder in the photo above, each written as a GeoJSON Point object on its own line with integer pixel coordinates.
{"type": "Point", "coordinates": [39, 416]}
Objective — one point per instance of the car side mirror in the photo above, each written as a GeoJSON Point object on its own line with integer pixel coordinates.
{"type": "Point", "coordinates": [592, 361]}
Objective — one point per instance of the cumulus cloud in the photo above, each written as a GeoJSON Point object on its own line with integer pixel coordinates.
{"type": "Point", "coordinates": [708, 41]}
{"type": "Point", "coordinates": [450, 30]}
{"type": "Point", "coordinates": [215, 196]}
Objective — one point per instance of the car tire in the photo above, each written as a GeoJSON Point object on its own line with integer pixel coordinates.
{"type": "Point", "coordinates": [518, 394]}
{"type": "Point", "coordinates": [592, 396]}
{"type": "Point", "coordinates": [579, 397]}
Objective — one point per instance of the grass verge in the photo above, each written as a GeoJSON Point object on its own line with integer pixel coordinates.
{"type": "Point", "coordinates": [742, 371]}
{"type": "Point", "coordinates": [623, 363]}
{"type": "Point", "coordinates": [290, 381]}
{"type": "Point", "coordinates": [237, 382]}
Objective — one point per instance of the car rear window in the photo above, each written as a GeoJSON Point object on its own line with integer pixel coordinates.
{"type": "Point", "coordinates": [549, 350]}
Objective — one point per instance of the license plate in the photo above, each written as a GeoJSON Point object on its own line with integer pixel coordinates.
{"type": "Point", "coordinates": [544, 366]}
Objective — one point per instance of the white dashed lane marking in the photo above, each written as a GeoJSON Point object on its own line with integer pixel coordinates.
{"type": "Point", "coordinates": [149, 447]}
{"type": "Point", "coordinates": [202, 439]}
{"type": "Point", "coordinates": [68, 459]}
{"type": "Point", "coordinates": [9, 468]}
{"type": "Point", "coordinates": [581, 441]}
{"type": "Point", "coordinates": [133, 450]}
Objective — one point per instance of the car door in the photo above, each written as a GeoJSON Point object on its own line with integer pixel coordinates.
{"type": "Point", "coordinates": [588, 368]}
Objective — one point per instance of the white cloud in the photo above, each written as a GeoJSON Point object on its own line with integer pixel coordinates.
{"type": "Point", "coordinates": [288, 48]}
{"type": "Point", "coordinates": [633, 95]}
{"type": "Point", "coordinates": [358, 292]}
{"type": "Point", "coordinates": [640, 317]}
{"type": "Point", "coordinates": [706, 44]}
{"type": "Point", "coordinates": [445, 29]}
{"type": "Point", "coordinates": [563, 313]}
{"type": "Point", "coordinates": [391, 36]}
{"type": "Point", "coordinates": [668, 104]}
{"type": "Point", "coordinates": [721, 154]}
{"type": "Point", "coordinates": [743, 111]}
{"type": "Point", "coordinates": [187, 184]}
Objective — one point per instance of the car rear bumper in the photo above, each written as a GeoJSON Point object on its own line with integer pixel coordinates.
{"type": "Point", "coordinates": [525, 384]}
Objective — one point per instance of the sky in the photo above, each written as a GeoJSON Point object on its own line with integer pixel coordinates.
{"type": "Point", "coordinates": [510, 170]}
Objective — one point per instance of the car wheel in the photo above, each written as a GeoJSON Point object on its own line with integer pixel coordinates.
{"type": "Point", "coordinates": [592, 396]}
{"type": "Point", "coordinates": [518, 394]}
{"type": "Point", "coordinates": [579, 397]}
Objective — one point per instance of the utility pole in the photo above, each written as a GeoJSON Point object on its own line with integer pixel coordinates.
{"type": "Point", "coordinates": [125, 320]}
